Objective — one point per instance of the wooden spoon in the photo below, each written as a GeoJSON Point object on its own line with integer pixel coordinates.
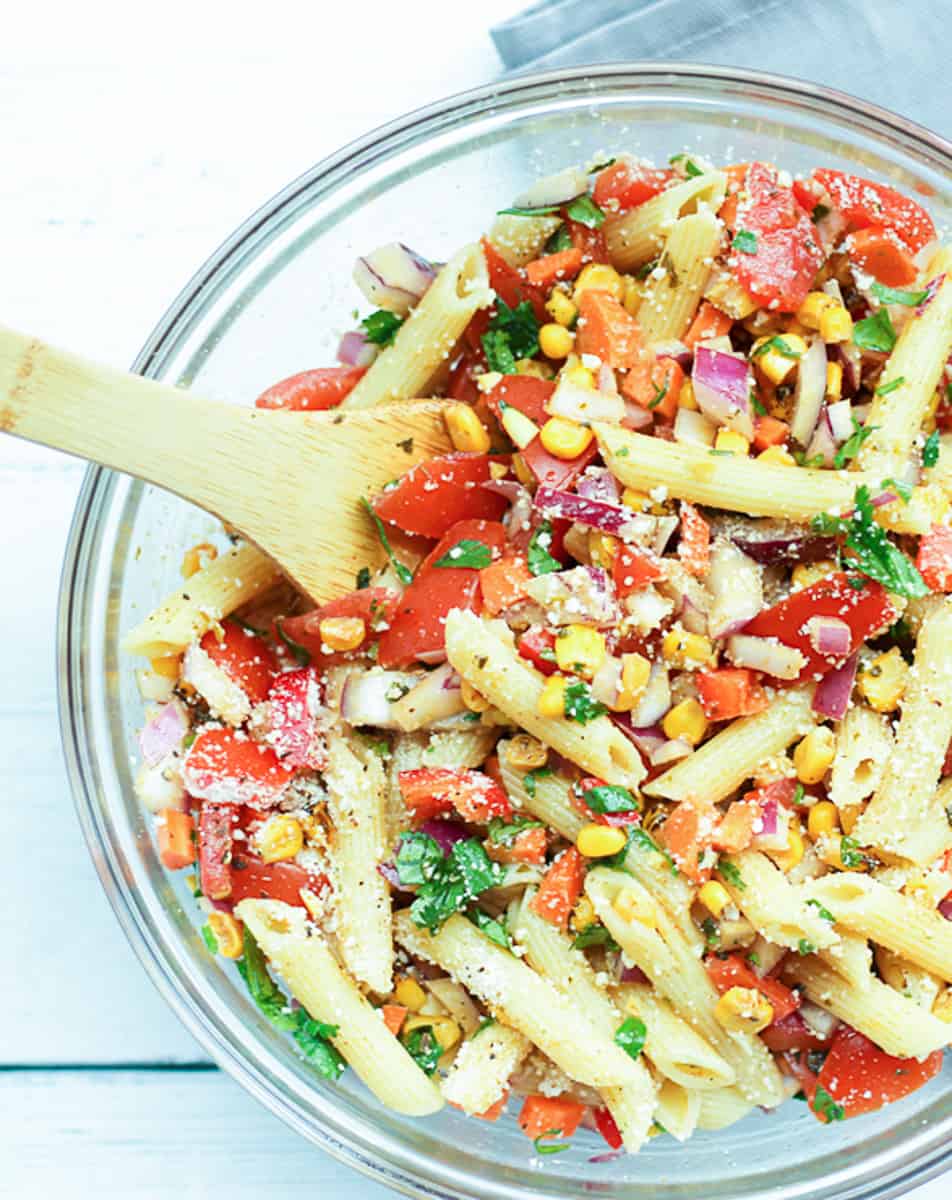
{"type": "Point", "coordinates": [291, 482]}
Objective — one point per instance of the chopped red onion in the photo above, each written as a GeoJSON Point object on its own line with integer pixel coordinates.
{"type": "Point", "coordinates": [735, 584]}
{"type": "Point", "coordinates": [438, 695]}
{"type": "Point", "coordinates": [810, 390]}
{"type": "Point", "coordinates": [512, 489]}
{"type": "Point", "coordinates": [606, 682]}
{"type": "Point", "coordinates": [356, 350]}
{"type": "Point", "coordinates": [655, 699]}
{"type": "Point", "coordinates": [693, 618]}
{"type": "Point", "coordinates": [581, 594]}
{"type": "Point", "coordinates": [393, 277]}
{"type": "Point", "coordinates": [829, 635]}
{"type": "Point", "coordinates": [554, 190]}
{"type": "Point", "coordinates": [598, 483]}
{"type": "Point", "coordinates": [633, 975]}
{"type": "Point", "coordinates": [832, 696]}
{"type": "Point", "coordinates": [163, 732]}
{"type": "Point", "coordinates": [765, 654]}
{"type": "Point", "coordinates": [606, 380]}
{"type": "Point", "coordinates": [392, 876]}
{"type": "Point", "coordinates": [851, 360]}
{"type": "Point", "coordinates": [445, 833]}
{"type": "Point", "coordinates": [817, 1019]}
{"type": "Point", "coordinates": [839, 417]}
{"type": "Point", "coordinates": [597, 514]}
{"type": "Point", "coordinates": [722, 389]}
{"type": "Point", "coordinates": [646, 740]}
{"type": "Point", "coordinates": [664, 531]}
{"type": "Point", "coordinates": [768, 817]}
{"type": "Point", "coordinates": [771, 542]}
{"type": "Point", "coordinates": [673, 349]}
{"type": "Point", "coordinates": [636, 417]}
{"type": "Point", "coordinates": [365, 697]}
{"type": "Point", "coordinates": [694, 428]}
{"type": "Point", "coordinates": [584, 404]}
{"type": "Point", "coordinates": [932, 288]}
{"type": "Point", "coordinates": [945, 907]}
{"type": "Point", "coordinates": [822, 444]}
{"type": "Point", "coordinates": [672, 751]}
{"type": "Point", "coordinates": [607, 1156]}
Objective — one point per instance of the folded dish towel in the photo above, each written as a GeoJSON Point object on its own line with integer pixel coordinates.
{"type": "Point", "coordinates": [889, 52]}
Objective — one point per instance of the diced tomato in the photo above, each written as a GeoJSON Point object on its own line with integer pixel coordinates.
{"type": "Point", "coordinates": [247, 660]}
{"type": "Point", "coordinates": [293, 705]}
{"type": "Point", "coordinates": [538, 646]}
{"type": "Point", "coordinates": [439, 492]}
{"type": "Point", "coordinates": [735, 971]}
{"type": "Point", "coordinates": [621, 186]}
{"type": "Point", "coordinates": [503, 584]}
{"type": "Point", "coordinates": [433, 791]}
{"type": "Point", "coordinates": [796, 1063]}
{"type": "Point", "coordinates": [524, 392]}
{"type": "Point", "coordinates": [393, 1016]}
{"type": "Point", "coordinates": [710, 322]}
{"type": "Point", "coordinates": [556, 472]}
{"type": "Point", "coordinates": [175, 839]}
{"type": "Point", "coordinates": [607, 330]}
{"type": "Point", "coordinates": [730, 692]}
{"type": "Point", "coordinates": [418, 620]}
{"type": "Point", "coordinates": [529, 846]}
{"type": "Point", "coordinates": [792, 1033]}
{"type": "Point", "coordinates": [224, 768]}
{"type": "Point", "coordinates": [312, 391]}
{"type": "Point", "coordinates": [780, 791]}
{"type": "Point", "coordinates": [591, 242]}
{"type": "Point", "coordinates": [551, 1115]}
{"type": "Point", "coordinates": [374, 606]}
{"type": "Point", "coordinates": [934, 559]}
{"type": "Point", "coordinates": [769, 431]}
{"type": "Point", "coordinates": [495, 1110]}
{"type": "Point", "coordinates": [214, 849]}
{"type": "Point", "coordinates": [462, 384]}
{"type": "Point", "coordinates": [605, 1124]}
{"type": "Point", "coordinates": [878, 253]}
{"type": "Point", "coordinates": [628, 817]}
{"type": "Point", "coordinates": [736, 828]}
{"type": "Point", "coordinates": [552, 268]}
{"type": "Point", "coordinates": [694, 547]}
{"type": "Point", "coordinates": [654, 384]}
{"type": "Point", "coordinates": [862, 1078]}
{"type": "Point", "coordinates": [254, 879]}
{"type": "Point", "coordinates": [560, 888]}
{"type": "Point", "coordinates": [864, 609]}
{"type": "Point", "coordinates": [509, 283]}
{"type": "Point", "coordinates": [634, 568]}
{"type": "Point", "coordinates": [687, 834]}
{"type": "Point", "coordinates": [788, 253]}
{"type": "Point", "coordinates": [864, 204]}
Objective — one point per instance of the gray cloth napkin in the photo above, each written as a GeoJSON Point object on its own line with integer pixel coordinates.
{"type": "Point", "coordinates": [886, 51]}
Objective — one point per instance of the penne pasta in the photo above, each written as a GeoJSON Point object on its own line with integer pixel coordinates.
{"type": "Point", "coordinates": [776, 908]}
{"type": "Point", "coordinates": [521, 239]}
{"type": "Point", "coordinates": [639, 236]}
{"type": "Point", "coordinates": [481, 1069]}
{"type": "Point", "coordinates": [722, 1108]}
{"type": "Point", "coordinates": [864, 743]}
{"type": "Point", "coordinates": [671, 299]}
{"type": "Point", "coordinates": [675, 1048]}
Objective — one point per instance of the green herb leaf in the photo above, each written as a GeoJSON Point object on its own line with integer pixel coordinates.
{"type": "Point", "coordinates": [891, 386]}
{"type": "Point", "coordinates": [902, 490]}
{"type": "Point", "coordinates": [492, 927]}
{"type": "Point", "coordinates": [777, 343]}
{"type": "Point", "coordinates": [300, 654]}
{"type": "Point", "coordinates": [641, 838]}
{"type": "Point", "coordinates": [466, 553]}
{"type": "Point", "coordinates": [851, 447]}
{"type": "Point", "coordinates": [659, 395]}
{"type": "Point", "coordinates": [602, 166]}
{"type": "Point", "coordinates": [754, 959]}
{"type": "Point", "coordinates": [503, 832]}
{"type": "Point", "coordinates": [450, 883]}
{"type": "Point", "coordinates": [729, 871]}
{"type": "Point", "coordinates": [313, 1038]}
{"type": "Point", "coordinates": [538, 557]}
{"type": "Point", "coordinates": [610, 798]}
{"type": "Point", "coordinates": [530, 779]}
{"type": "Point", "coordinates": [499, 355]}
{"type": "Point", "coordinates": [418, 858]}
{"type": "Point", "coordinates": [691, 169]}
{"type": "Point", "coordinates": [890, 295]}
{"type": "Point", "coordinates": [476, 868]}
{"type": "Point", "coordinates": [520, 211]}
{"type": "Point", "coordinates": [211, 942]}
{"type": "Point", "coordinates": [826, 1107]}
{"type": "Point", "coordinates": [424, 1049]}
{"type": "Point", "coordinates": [805, 947]}
{"type": "Point", "coordinates": [823, 913]}
{"type": "Point", "coordinates": [594, 935]}
{"type": "Point", "coordinates": [756, 404]}
{"type": "Point", "coordinates": [560, 240]}
{"type": "Point", "coordinates": [381, 326]}
{"type": "Point", "coordinates": [363, 578]}
{"type": "Point", "coordinates": [404, 574]}
{"type": "Point", "coordinates": [875, 333]}
{"type": "Point", "coordinates": [712, 935]}
{"type": "Point", "coordinates": [484, 1024]}
{"type": "Point", "coordinates": [513, 333]}
{"type": "Point", "coordinates": [798, 793]}
{"type": "Point", "coordinates": [850, 853]}
{"type": "Point", "coordinates": [930, 451]}
{"type": "Point", "coordinates": [631, 1035]}
{"type": "Point", "coordinates": [745, 241]}
{"type": "Point", "coordinates": [580, 704]}
{"type": "Point", "coordinates": [586, 212]}
{"type": "Point", "coordinates": [544, 1147]}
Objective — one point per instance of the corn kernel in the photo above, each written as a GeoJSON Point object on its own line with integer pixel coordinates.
{"type": "Point", "coordinates": [815, 305]}
{"type": "Point", "coordinates": [342, 633]}
{"type": "Point", "coordinates": [634, 294]}
{"type": "Point", "coordinates": [787, 859]}
{"type": "Point", "coordinates": [806, 574]}
{"type": "Point", "coordinates": [836, 325]}
{"type": "Point", "coordinates": [518, 426]}
{"type": "Point", "coordinates": [823, 819]}
{"type": "Point", "coordinates": [834, 381]}
{"type": "Point", "coordinates": [228, 934]}
{"type": "Point", "coordinates": [409, 993]}
{"type": "Point", "coordinates": [196, 558]}
{"type": "Point", "coordinates": [534, 368]}
{"type": "Point", "coordinates": [774, 363]}
{"type": "Point", "coordinates": [795, 326]}
{"type": "Point", "coordinates": [714, 896]}
{"type": "Point", "coordinates": [729, 441]}
{"type": "Point", "coordinates": [599, 841]}
{"type": "Point", "coordinates": [498, 470]}
{"type": "Point", "coordinates": [552, 697]}
{"type": "Point", "coordinates": [169, 666]}
{"type": "Point", "coordinates": [555, 341]}
{"type": "Point", "coordinates": [467, 433]}
{"type": "Point", "coordinates": [599, 277]}
{"type": "Point", "coordinates": [565, 439]}
{"type": "Point", "coordinates": [639, 501]}
{"type": "Point", "coordinates": [280, 837]}
{"type": "Point", "coordinates": [580, 650]}
{"type": "Point", "coordinates": [560, 308]}
{"type": "Point", "coordinates": [883, 681]}
{"type": "Point", "coordinates": [603, 549]}
{"type": "Point", "coordinates": [580, 376]}
{"type": "Point", "coordinates": [473, 700]}
{"type": "Point", "coordinates": [744, 1010]}
{"type": "Point", "coordinates": [777, 456]}
{"type": "Point", "coordinates": [813, 756]}
{"type": "Point", "coordinates": [446, 1031]}
{"type": "Point", "coordinates": [583, 914]}
{"type": "Point", "coordinates": [635, 673]}
{"type": "Point", "coordinates": [686, 397]}
{"type": "Point", "coordinates": [523, 474]}
{"type": "Point", "coordinates": [942, 1008]}
{"type": "Point", "coordinates": [686, 720]}
{"type": "Point", "coordinates": [849, 817]}
{"type": "Point", "coordinates": [634, 906]}
{"type": "Point", "coordinates": [686, 650]}
{"type": "Point", "coordinates": [527, 753]}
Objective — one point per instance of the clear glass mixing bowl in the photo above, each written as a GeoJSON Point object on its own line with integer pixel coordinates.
{"type": "Point", "coordinates": [274, 300]}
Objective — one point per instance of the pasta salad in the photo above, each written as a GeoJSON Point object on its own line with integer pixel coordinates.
{"type": "Point", "coordinates": [618, 793]}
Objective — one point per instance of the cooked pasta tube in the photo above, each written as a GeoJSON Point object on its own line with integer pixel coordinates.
{"type": "Point", "coordinates": [638, 236]}
{"type": "Point", "coordinates": [673, 1045]}
{"type": "Point", "coordinates": [302, 957]}
{"type": "Point", "coordinates": [776, 908]}
{"type": "Point", "coordinates": [482, 1067]}
{"type": "Point", "coordinates": [671, 299]}
{"type": "Point", "coordinates": [521, 239]}
{"type": "Point", "coordinates": [722, 1108]}
{"type": "Point", "coordinates": [864, 743]}
{"type": "Point", "coordinates": [678, 1109]}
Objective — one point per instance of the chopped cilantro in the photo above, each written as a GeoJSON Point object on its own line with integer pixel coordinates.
{"type": "Point", "coordinates": [450, 883]}
{"type": "Point", "coordinates": [580, 704]}
{"type": "Point", "coordinates": [660, 393]}
{"type": "Point", "coordinates": [798, 793]}
{"type": "Point", "coordinates": [539, 559]}
{"type": "Point", "coordinates": [645, 270]}
{"type": "Point", "coordinates": [730, 872]}
{"type": "Point", "coordinates": [544, 1147]}
{"type": "Point", "coordinates": [712, 935]}
{"type": "Point", "coordinates": [802, 461]}
{"type": "Point", "coordinates": [404, 574]}
{"type": "Point", "coordinates": [518, 210]}
{"type": "Point", "coordinates": [805, 947]}
{"type": "Point", "coordinates": [300, 654]}
{"type": "Point", "coordinates": [493, 927]}
{"type": "Point", "coordinates": [930, 451]}
{"type": "Point", "coordinates": [745, 241]}
{"type": "Point", "coordinates": [823, 913]}
{"type": "Point", "coordinates": [690, 167]}
{"type": "Point", "coordinates": [754, 959]}
{"type": "Point", "coordinates": [602, 166]}
{"type": "Point", "coordinates": [586, 212]}
{"type": "Point", "coordinates": [381, 326]}
{"type": "Point", "coordinates": [466, 553]}
{"type": "Point", "coordinates": [851, 447]}
{"type": "Point", "coordinates": [890, 295]}
{"type": "Point", "coordinates": [610, 798]}
{"type": "Point", "coordinates": [630, 1035]}
{"type": "Point", "coordinates": [418, 857]}
{"type": "Point", "coordinates": [885, 388]}
{"type": "Point", "coordinates": [875, 333]}
{"type": "Point", "coordinates": [424, 1049]}
{"type": "Point", "coordinates": [484, 1024]}
{"type": "Point", "coordinates": [777, 343]}
{"type": "Point", "coordinates": [826, 1107]}
{"type": "Point", "coordinates": [560, 240]}
{"type": "Point", "coordinates": [211, 942]}
{"type": "Point", "coordinates": [531, 777]}
{"type": "Point", "coordinates": [756, 403]}
{"type": "Point", "coordinates": [640, 837]}
{"type": "Point", "coordinates": [594, 935]}
{"type": "Point", "coordinates": [850, 853]}
{"type": "Point", "coordinates": [513, 333]}
{"type": "Point", "coordinates": [902, 490]}
{"type": "Point", "coordinates": [363, 578]}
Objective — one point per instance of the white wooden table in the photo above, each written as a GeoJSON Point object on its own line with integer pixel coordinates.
{"type": "Point", "coordinates": [134, 141]}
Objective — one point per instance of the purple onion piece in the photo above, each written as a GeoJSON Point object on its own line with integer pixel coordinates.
{"type": "Point", "coordinates": [393, 277]}
{"type": "Point", "coordinates": [675, 350]}
{"type": "Point", "coordinates": [722, 389]}
{"type": "Point", "coordinates": [772, 542]}
{"type": "Point", "coordinates": [945, 908]}
{"type": "Point", "coordinates": [810, 389]}
{"type": "Point", "coordinates": [932, 288]}
{"type": "Point", "coordinates": [597, 514]}
{"type": "Point", "coordinates": [355, 350]}
{"type": "Point", "coordinates": [832, 696]}
{"type": "Point", "coordinates": [633, 975]}
{"type": "Point", "coordinates": [850, 359]}
{"type": "Point", "coordinates": [163, 733]}
{"type": "Point", "coordinates": [445, 833]}
{"type": "Point", "coordinates": [829, 635]}
{"type": "Point", "coordinates": [554, 190]}
{"type": "Point", "coordinates": [598, 483]}
{"type": "Point", "coordinates": [768, 816]}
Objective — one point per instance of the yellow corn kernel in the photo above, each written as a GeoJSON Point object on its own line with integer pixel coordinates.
{"type": "Point", "coordinates": [583, 914]}
{"type": "Point", "coordinates": [409, 993]}
{"type": "Point", "coordinates": [228, 935]}
{"type": "Point", "coordinates": [778, 456]}
{"type": "Point", "coordinates": [729, 441]}
{"type": "Point", "coordinates": [467, 433]}
{"type": "Point", "coordinates": [849, 817]}
{"type": "Point", "coordinates": [530, 366]}
{"type": "Point", "coordinates": [603, 549]}
{"type": "Point", "coordinates": [473, 700]}
{"type": "Point", "coordinates": [580, 650]}
{"type": "Point", "coordinates": [773, 362]}
{"type": "Point", "coordinates": [787, 859]}
{"type": "Point", "coordinates": [634, 906]}
{"type": "Point", "coordinates": [883, 681]}
{"type": "Point", "coordinates": [834, 381]}
{"type": "Point", "coordinates": [446, 1032]}
{"type": "Point", "coordinates": [836, 325]}
{"type": "Point", "coordinates": [552, 698]}
{"type": "Point", "coordinates": [686, 650]}
{"type": "Point", "coordinates": [518, 426]}
{"type": "Point", "coordinates": [498, 470]}
{"type": "Point", "coordinates": [599, 841]}
{"type": "Point", "coordinates": [634, 294]}
{"type": "Point", "coordinates": [168, 666]}
{"type": "Point", "coordinates": [795, 326]}
{"type": "Point", "coordinates": [806, 574]}
{"type": "Point", "coordinates": [527, 753]}
{"type": "Point", "coordinates": [342, 633]}
{"type": "Point", "coordinates": [686, 720]}
{"type": "Point", "coordinates": [563, 438]}
{"type": "Point", "coordinates": [714, 896]}
{"type": "Point", "coordinates": [196, 558]}
{"type": "Point", "coordinates": [555, 341]}
{"type": "Point", "coordinates": [813, 756]}
{"type": "Point", "coordinates": [635, 673]}
{"type": "Point", "coordinates": [942, 1008]}
{"type": "Point", "coordinates": [815, 305]}
{"type": "Point", "coordinates": [523, 474]}
{"type": "Point", "coordinates": [281, 837]}
{"type": "Point", "coordinates": [823, 819]}
{"type": "Point", "coordinates": [599, 277]}
{"type": "Point", "coordinates": [560, 308]}
{"type": "Point", "coordinates": [686, 398]}
{"type": "Point", "coordinates": [744, 1010]}
{"type": "Point", "coordinates": [639, 501]}
{"type": "Point", "coordinates": [581, 376]}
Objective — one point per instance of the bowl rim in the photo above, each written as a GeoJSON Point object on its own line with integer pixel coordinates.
{"type": "Point", "coordinates": [902, 1171]}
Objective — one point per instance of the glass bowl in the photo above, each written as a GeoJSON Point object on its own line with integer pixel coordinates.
{"type": "Point", "coordinates": [273, 300]}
